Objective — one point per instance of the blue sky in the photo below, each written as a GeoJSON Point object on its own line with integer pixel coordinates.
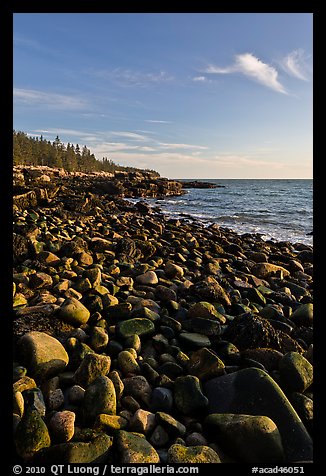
{"type": "Point", "coordinates": [191, 95]}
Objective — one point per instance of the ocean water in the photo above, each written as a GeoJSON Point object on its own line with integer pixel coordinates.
{"type": "Point", "coordinates": [279, 209]}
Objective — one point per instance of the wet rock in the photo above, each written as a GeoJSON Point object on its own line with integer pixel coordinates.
{"type": "Point", "coordinates": [192, 455]}
{"type": "Point", "coordinates": [43, 355]}
{"type": "Point", "coordinates": [252, 439]}
{"type": "Point", "coordinates": [134, 449]}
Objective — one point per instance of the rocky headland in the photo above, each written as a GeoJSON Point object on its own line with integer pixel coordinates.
{"type": "Point", "coordinates": [144, 339]}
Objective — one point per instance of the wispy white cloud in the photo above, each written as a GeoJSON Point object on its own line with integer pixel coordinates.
{"type": "Point", "coordinates": [296, 64]}
{"type": "Point", "coordinates": [199, 79]}
{"type": "Point", "coordinates": [128, 77]}
{"type": "Point", "coordinates": [153, 121]}
{"type": "Point", "coordinates": [165, 145]}
{"type": "Point", "coordinates": [33, 97]}
{"type": "Point", "coordinates": [129, 135]}
{"type": "Point", "coordinates": [254, 68]}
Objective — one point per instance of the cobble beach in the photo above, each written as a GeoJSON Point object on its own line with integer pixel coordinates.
{"type": "Point", "coordinates": [142, 338]}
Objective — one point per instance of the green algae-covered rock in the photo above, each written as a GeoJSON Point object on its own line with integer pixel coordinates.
{"type": "Point", "coordinates": [206, 310]}
{"type": "Point", "coordinates": [110, 423]}
{"type": "Point", "coordinates": [91, 367]}
{"type": "Point", "coordinates": [94, 451]}
{"type": "Point", "coordinates": [205, 364]}
{"type": "Point", "coordinates": [127, 363]}
{"type": "Point", "coordinates": [100, 397]}
{"type": "Point", "coordinates": [192, 454]}
{"type": "Point", "coordinates": [253, 392]}
{"type": "Point", "coordinates": [135, 449]}
{"type": "Point", "coordinates": [296, 372]}
{"type": "Point", "coordinates": [43, 355]}
{"type": "Point", "coordinates": [252, 439]}
{"type": "Point", "coordinates": [188, 395]}
{"type": "Point", "coordinates": [73, 312]}
{"type": "Point", "coordinates": [303, 315]}
{"type": "Point", "coordinates": [139, 326]}
{"type": "Point", "coordinates": [31, 434]}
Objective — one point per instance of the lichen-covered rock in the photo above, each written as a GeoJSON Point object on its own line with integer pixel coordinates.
{"type": "Point", "coordinates": [265, 270]}
{"type": "Point", "coordinates": [252, 439]}
{"type": "Point", "coordinates": [92, 366]}
{"type": "Point", "coordinates": [73, 312]}
{"type": "Point", "coordinates": [253, 392]}
{"type": "Point", "coordinates": [210, 290]}
{"type": "Point", "coordinates": [110, 423]}
{"type": "Point", "coordinates": [296, 372]}
{"type": "Point", "coordinates": [188, 395]}
{"type": "Point", "coordinates": [134, 449]}
{"type": "Point", "coordinates": [303, 315]}
{"type": "Point", "coordinates": [99, 398]}
{"type": "Point", "coordinates": [43, 355]}
{"type": "Point", "coordinates": [94, 451]}
{"type": "Point", "coordinates": [205, 364]}
{"type": "Point", "coordinates": [192, 454]}
{"type": "Point", "coordinates": [31, 434]}
{"type": "Point", "coordinates": [139, 326]}
{"type": "Point", "coordinates": [170, 424]}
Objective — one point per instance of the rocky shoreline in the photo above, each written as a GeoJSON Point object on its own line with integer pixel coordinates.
{"type": "Point", "coordinates": [144, 339]}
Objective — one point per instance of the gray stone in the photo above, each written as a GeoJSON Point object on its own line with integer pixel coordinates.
{"type": "Point", "coordinates": [170, 424]}
{"type": "Point", "coordinates": [62, 426]}
{"type": "Point", "coordinates": [149, 278]}
{"type": "Point", "coordinates": [143, 421]}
